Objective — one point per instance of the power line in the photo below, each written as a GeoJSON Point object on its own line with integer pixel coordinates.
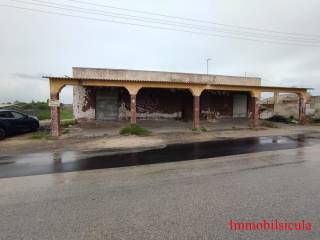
{"type": "Point", "coordinates": [74, 9]}
{"type": "Point", "coordinates": [192, 19]}
{"type": "Point", "coordinates": [161, 21]}
{"type": "Point", "coordinates": [153, 27]}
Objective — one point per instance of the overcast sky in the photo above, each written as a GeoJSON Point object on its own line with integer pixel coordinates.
{"type": "Point", "coordinates": [33, 44]}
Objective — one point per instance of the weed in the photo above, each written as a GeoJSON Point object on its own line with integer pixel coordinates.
{"type": "Point", "coordinates": [39, 135]}
{"type": "Point", "coordinates": [134, 129]}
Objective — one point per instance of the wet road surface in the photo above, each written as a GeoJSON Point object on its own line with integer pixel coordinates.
{"type": "Point", "coordinates": [47, 163]}
{"type": "Point", "coordinates": [176, 200]}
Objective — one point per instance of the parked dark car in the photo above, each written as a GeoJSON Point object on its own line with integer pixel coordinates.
{"type": "Point", "coordinates": [12, 122]}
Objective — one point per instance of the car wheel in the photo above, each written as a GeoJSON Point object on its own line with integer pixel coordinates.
{"type": "Point", "coordinates": [2, 133]}
{"type": "Point", "coordinates": [34, 127]}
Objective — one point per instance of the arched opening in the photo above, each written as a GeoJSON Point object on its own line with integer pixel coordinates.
{"type": "Point", "coordinates": [165, 104]}
{"type": "Point", "coordinates": [279, 104]}
{"type": "Point", "coordinates": [112, 104]}
{"type": "Point", "coordinates": [101, 103]}
{"type": "Point", "coordinates": [66, 100]}
{"type": "Point", "coordinates": [268, 105]}
{"type": "Point", "coordinates": [287, 105]}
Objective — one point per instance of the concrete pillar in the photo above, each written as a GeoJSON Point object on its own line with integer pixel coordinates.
{"type": "Point", "coordinates": [254, 111]}
{"type": "Point", "coordinates": [302, 110]}
{"type": "Point", "coordinates": [275, 104]}
{"type": "Point", "coordinates": [55, 118]}
{"type": "Point", "coordinates": [196, 112]}
{"type": "Point", "coordinates": [133, 108]}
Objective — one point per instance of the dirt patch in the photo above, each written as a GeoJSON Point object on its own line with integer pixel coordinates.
{"type": "Point", "coordinates": [90, 139]}
{"type": "Point", "coordinates": [121, 142]}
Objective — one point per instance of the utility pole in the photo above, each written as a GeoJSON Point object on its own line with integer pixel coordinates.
{"type": "Point", "coordinates": [208, 59]}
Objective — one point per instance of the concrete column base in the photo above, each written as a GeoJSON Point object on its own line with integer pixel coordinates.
{"type": "Point", "coordinates": [196, 112]}
{"type": "Point", "coordinates": [254, 111]}
{"type": "Point", "coordinates": [133, 108]}
{"type": "Point", "coordinates": [55, 117]}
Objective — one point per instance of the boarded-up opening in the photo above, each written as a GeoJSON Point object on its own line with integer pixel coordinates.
{"type": "Point", "coordinates": [240, 104]}
{"type": "Point", "coordinates": [158, 103]}
{"type": "Point", "coordinates": [223, 104]}
{"type": "Point", "coordinates": [216, 104]}
{"type": "Point", "coordinates": [107, 104]}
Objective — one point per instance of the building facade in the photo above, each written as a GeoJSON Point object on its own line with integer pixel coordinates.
{"type": "Point", "coordinates": [120, 95]}
{"type": "Point", "coordinates": [113, 103]}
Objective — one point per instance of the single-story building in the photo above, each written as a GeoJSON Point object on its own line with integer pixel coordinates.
{"type": "Point", "coordinates": [117, 94]}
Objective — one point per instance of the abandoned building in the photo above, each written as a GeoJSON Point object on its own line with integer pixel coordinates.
{"type": "Point", "coordinates": [131, 95]}
{"type": "Point", "coordinates": [287, 104]}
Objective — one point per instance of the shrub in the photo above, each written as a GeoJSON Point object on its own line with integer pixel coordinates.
{"type": "Point", "coordinates": [281, 119]}
{"type": "Point", "coordinates": [134, 129]}
{"type": "Point", "coordinates": [203, 129]}
{"type": "Point", "coordinates": [68, 122]}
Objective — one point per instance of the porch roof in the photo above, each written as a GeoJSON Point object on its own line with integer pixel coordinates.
{"type": "Point", "coordinates": [145, 83]}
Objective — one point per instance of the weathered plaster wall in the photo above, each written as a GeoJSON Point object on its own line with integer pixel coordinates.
{"type": "Point", "coordinates": [137, 75]}
{"type": "Point", "coordinates": [155, 104]}
{"type": "Point", "coordinates": [160, 103]}
{"type": "Point", "coordinates": [84, 103]}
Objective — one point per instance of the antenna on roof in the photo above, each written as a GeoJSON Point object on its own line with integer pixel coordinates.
{"type": "Point", "coordinates": [208, 59]}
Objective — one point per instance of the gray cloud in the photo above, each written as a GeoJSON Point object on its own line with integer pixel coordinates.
{"type": "Point", "coordinates": [35, 43]}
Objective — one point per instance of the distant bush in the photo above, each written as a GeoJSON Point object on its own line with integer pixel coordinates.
{"type": "Point", "coordinates": [282, 119]}
{"type": "Point", "coordinates": [134, 129]}
{"type": "Point", "coordinates": [314, 120]}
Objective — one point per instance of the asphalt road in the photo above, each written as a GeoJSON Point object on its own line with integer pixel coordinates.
{"type": "Point", "coordinates": [182, 200]}
{"type": "Point", "coordinates": [56, 162]}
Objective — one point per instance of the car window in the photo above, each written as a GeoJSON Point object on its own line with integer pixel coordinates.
{"type": "Point", "coordinates": [17, 115]}
{"type": "Point", "coordinates": [6, 115]}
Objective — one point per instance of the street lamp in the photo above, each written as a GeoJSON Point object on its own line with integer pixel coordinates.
{"type": "Point", "coordinates": [208, 59]}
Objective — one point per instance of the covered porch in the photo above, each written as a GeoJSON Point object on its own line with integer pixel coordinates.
{"type": "Point", "coordinates": [198, 92]}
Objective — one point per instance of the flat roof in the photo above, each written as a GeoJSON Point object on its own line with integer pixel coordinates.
{"type": "Point", "coordinates": [271, 88]}
{"type": "Point", "coordinates": [159, 72]}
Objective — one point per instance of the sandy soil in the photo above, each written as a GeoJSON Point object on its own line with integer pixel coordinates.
{"type": "Point", "coordinates": [84, 138]}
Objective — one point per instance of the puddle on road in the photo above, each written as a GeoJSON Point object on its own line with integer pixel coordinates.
{"type": "Point", "coordinates": [46, 163]}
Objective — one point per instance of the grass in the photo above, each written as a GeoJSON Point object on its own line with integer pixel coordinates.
{"type": "Point", "coordinates": [42, 110]}
{"type": "Point", "coordinates": [135, 129]}
{"type": "Point", "coordinates": [202, 129]}
{"type": "Point", "coordinates": [68, 122]}
{"type": "Point", "coordinates": [40, 135]}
